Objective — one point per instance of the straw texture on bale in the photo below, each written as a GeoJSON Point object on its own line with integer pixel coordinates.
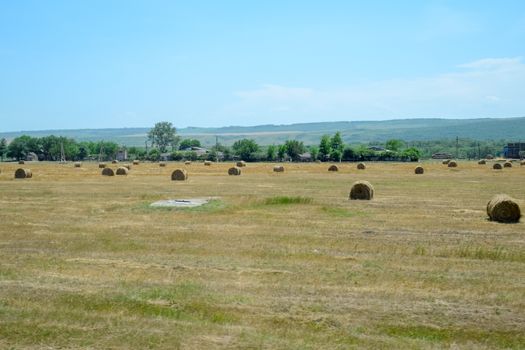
{"type": "Point", "coordinates": [23, 173]}
{"type": "Point", "coordinates": [122, 170]}
{"type": "Point", "coordinates": [234, 171]}
{"type": "Point", "coordinates": [419, 170]}
{"type": "Point", "coordinates": [507, 165]}
{"type": "Point", "coordinates": [482, 162]}
{"type": "Point", "coordinates": [128, 166]}
{"type": "Point", "coordinates": [497, 166]}
{"type": "Point", "coordinates": [361, 166]}
{"type": "Point", "coordinates": [179, 175]}
{"type": "Point", "coordinates": [241, 163]}
{"type": "Point", "coordinates": [207, 163]}
{"type": "Point", "coordinates": [21, 162]}
{"type": "Point", "coordinates": [333, 167]}
{"type": "Point", "coordinates": [101, 165]}
{"type": "Point", "coordinates": [187, 162]}
{"type": "Point", "coordinates": [162, 164]}
{"type": "Point", "coordinates": [452, 164]}
{"type": "Point", "coordinates": [278, 169]}
{"type": "Point", "coordinates": [136, 162]}
{"type": "Point", "coordinates": [522, 162]}
{"type": "Point", "coordinates": [108, 172]}
{"type": "Point", "coordinates": [446, 161]}
{"type": "Point", "coordinates": [78, 165]}
{"type": "Point", "coordinates": [362, 190]}
{"type": "Point", "coordinates": [114, 161]}
{"type": "Point", "coordinates": [503, 208]}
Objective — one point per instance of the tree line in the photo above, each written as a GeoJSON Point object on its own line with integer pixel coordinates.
{"type": "Point", "coordinates": [164, 143]}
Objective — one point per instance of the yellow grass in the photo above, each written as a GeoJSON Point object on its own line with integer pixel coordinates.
{"type": "Point", "coordinates": [277, 261]}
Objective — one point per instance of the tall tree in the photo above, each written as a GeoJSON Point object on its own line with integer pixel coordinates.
{"type": "Point", "coordinates": [162, 135]}
{"type": "Point", "coordinates": [245, 149]}
{"type": "Point", "coordinates": [19, 147]}
{"type": "Point", "coordinates": [271, 152]}
{"type": "Point", "coordinates": [187, 143]}
{"type": "Point", "coordinates": [294, 148]}
{"type": "Point", "coordinates": [281, 151]}
{"type": "Point", "coordinates": [324, 147]}
{"type": "Point", "coordinates": [3, 148]}
{"type": "Point", "coordinates": [395, 145]}
{"type": "Point", "coordinates": [337, 145]}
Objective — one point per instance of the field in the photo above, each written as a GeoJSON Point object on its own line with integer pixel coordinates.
{"type": "Point", "coordinates": [274, 261]}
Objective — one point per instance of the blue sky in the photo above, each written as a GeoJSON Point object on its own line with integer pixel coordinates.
{"type": "Point", "coordinates": [103, 63]}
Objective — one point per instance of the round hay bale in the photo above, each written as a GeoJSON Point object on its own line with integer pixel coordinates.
{"type": "Point", "coordinates": [207, 163]}
{"type": "Point", "coordinates": [21, 162]}
{"type": "Point", "coordinates": [507, 165]}
{"type": "Point", "coordinates": [114, 162]}
{"type": "Point", "coordinates": [497, 166]}
{"type": "Point", "coordinates": [23, 173]}
{"type": "Point", "coordinates": [108, 172]}
{"type": "Point", "coordinates": [241, 163]}
{"type": "Point", "coordinates": [482, 162]}
{"type": "Point", "coordinates": [522, 162]}
{"type": "Point", "coordinates": [128, 166]}
{"type": "Point", "coordinates": [361, 166]}
{"type": "Point", "coordinates": [278, 169]}
{"type": "Point", "coordinates": [419, 170]}
{"type": "Point", "coordinates": [136, 162]}
{"type": "Point", "coordinates": [187, 162]}
{"type": "Point", "coordinates": [162, 164]}
{"type": "Point", "coordinates": [333, 167]}
{"type": "Point", "coordinates": [78, 165]}
{"type": "Point", "coordinates": [234, 171]}
{"type": "Point", "coordinates": [452, 164]}
{"type": "Point", "coordinates": [503, 208]}
{"type": "Point", "coordinates": [179, 175]}
{"type": "Point", "coordinates": [362, 190]}
{"type": "Point", "coordinates": [122, 170]}
{"type": "Point", "coordinates": [446, 161]}
{"type": "Point", "coordinates": [101, 165]}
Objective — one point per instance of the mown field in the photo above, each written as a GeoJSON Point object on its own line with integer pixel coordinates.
{"type": "Point", "coordinates": [275, 261]}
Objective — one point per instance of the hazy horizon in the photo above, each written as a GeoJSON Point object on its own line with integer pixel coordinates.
{"type": "Point", "coordinates": [110, 64]}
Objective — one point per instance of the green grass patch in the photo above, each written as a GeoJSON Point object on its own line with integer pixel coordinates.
{"type": "Point", "coordinates": [341, 212]}
{"type": "Point", "coordinates": [286, 200]}
{"type": "Point", "coordinates": [492, 338]}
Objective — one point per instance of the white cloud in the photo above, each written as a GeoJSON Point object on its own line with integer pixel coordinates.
{"type": "Point", "coordinates": [483, 88]}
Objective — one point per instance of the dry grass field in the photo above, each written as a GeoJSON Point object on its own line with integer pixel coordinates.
{"type": "Point", "coordinates": [275, 261]}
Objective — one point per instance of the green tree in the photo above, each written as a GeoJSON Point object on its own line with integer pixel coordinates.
{"type": "Point", "coordinates": [188, 143]}
{"type": "Point", "coordinates": [324, 147]}
{"type": "Point", "coordinates": [412, 154]}
{"type": "Point", "coordinates": [245, 149]}
{"type": "Point", "coordinates": [281, 151]}
{"type": "Point", "coordinates": [154, 155]}
{"type": "Point", "coordinates": [294, 148]}
{"type": "Point", "coordinates": [395, 145]}
{"type": "Point", "coordinates": [271, 152]}
{"type": "Point", "coordinates": [3, 148]}
{"type": "Point", "coordinates": [163, 135]}
{"type": "Point", "coordinates": [314, 151]}
{"type": "Point", "coordinates": [19, 147]}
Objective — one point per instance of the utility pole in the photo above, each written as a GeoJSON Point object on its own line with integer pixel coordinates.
{"type": "Point", "coordinates": [479, 151]}
{"type": "Point", "coordinates": [457, 147]}
{"type": "Point", "coordinates": [217, 148]}
{"type": "Point", "coordinates": [62, 153]}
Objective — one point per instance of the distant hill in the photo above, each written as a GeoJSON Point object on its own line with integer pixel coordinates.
{"type": "Point", "coordinates": [512, 129]}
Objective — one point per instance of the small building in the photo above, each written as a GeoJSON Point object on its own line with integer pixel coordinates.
{"type": "Point", "coordinates": [122, 155]}
{"type": "Point", "coordinates": [31, 157]}
{"type": "Point", "coordinates": [514, 150]}
{"type": "Point", "coordinates": [199, 151]}
{"type": "Point", "coordinates": [442, 156]}
{"type": "Point", "coordinates": [305, 157]}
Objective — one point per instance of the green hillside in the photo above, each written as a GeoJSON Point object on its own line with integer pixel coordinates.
{"type": "Point", "coordinates": [310, 133]}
